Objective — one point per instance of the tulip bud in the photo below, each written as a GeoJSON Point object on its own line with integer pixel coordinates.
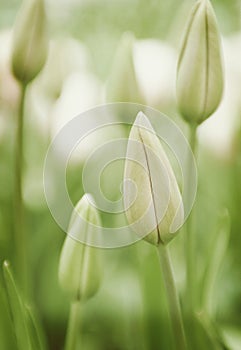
{"type": "Point", "coordinates": [79, 268]}
{"type": "Point", "coordinates": [152, 200]}
{"type": "Point", "coordinates": [30, 41]}
{"type": "Point", "coordinates": [122, 84]}
{"type": "Point", "coordinates": [200, 69]}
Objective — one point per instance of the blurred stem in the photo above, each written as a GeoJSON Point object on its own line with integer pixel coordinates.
{"type": "Point", "coordinates": [20, 233]}
{"type": "Point", "coordinates": [173, 300]}
{"type": "Point", "coordinates": [215, 255]}
{"type": "Point", "coordinates": [73, 327]}
{"type": "Point", "coordinates": [190, 235]}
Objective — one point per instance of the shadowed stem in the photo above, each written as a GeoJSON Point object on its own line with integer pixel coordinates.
{"type": "Point", "coordinates": [19, 230]}
{"type": "Point", "coordinates": [190, 236]}
{"type": "Point", "coordinates": [172, 296]}
{"type": "Point", "coordinates": [73, 327]}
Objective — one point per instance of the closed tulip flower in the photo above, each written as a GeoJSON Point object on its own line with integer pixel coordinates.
{"type": "Point", "coordinates": [200, 69]}
{"type": "Point", "coordinates": [152, 199]}
{"type": "Point", "coordinates": [79, 268]}
{"type": "Point", "coordinates": [122, 85]}
{"type": "Point", "coordinates": [30, 41]}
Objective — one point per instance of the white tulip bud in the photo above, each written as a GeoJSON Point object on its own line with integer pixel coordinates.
{"type": "Point", "coordinates": [152, 199]}
{"type": "Point", "coordinates": [122, 85]}
{"type": "Point", "coordinates": [200, 68]}
{"type": "Point", "coordinates": [30, 41]}
{"type": "Point", "coordinates": [79, 267]}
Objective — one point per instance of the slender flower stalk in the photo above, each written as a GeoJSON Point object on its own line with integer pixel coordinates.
{"type": "Point", "coordinates": [172, 296]}
{"type": "Point", "coordinates": [73, 326]}
{"type": "Point", "coordinates": [189, 237]}
{"type": "Point", "coordinates": [153, 206]}
{"type": "Point", "coordinates": [20, 240]}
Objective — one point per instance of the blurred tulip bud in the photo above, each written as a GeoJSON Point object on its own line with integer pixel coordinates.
{"type": "Point", "coordinates": [30, 41]}
{"type": "Point", "coordinates": [122, 84]}
{"type": "Point", "coordinates": [200, 69]}
{"type": "Point", "coordinates": [79, 267]}
{"type": "Point", "coordinates": [152, 199]}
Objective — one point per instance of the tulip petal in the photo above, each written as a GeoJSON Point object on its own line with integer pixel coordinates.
{"type": "Point", "coordinates": [152, 199]}
{"type": "Point", "coordinates": [200, 67]}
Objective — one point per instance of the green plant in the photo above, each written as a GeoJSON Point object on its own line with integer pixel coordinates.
{"type": "Point", "coordinates": [28, 58]}
{"type": "Point", "coordinates": [199, 92]}
{"type": "Point", "coordinates": [154, 208]}
{"type": "Point", "coordinates": [79, 267]}
{"type": "Point", "coordinates": [130, 304]}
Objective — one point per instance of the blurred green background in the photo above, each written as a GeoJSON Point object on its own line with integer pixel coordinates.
{"type": "Point", "coordinates": [129, 311]}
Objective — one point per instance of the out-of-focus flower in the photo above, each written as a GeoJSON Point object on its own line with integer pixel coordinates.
{"type": "Point", "coordinates": [9, 90]}
{"type": "Point", "coordinates": [30, 41]}
{"type": "Point", "coordinates": [218, 132]}
{"type": "Point", "coordinates": [152, 200]}
{"type": "Point", "coordinates": [79, 266]}
{"type": "Point", "coordinates": [65, 57]}
{"type": "Point", "coordinates": [81, 91]}
{"type": "Point", "coordinates": [122, 85]}
{"type": "Point", "coordinates": [64, 88]}
{"type": "Point", "coordinates": [155, 63]}
{"type": "Point", "coordinates": [200, 70]}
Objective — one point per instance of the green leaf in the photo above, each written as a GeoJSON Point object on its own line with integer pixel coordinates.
{"type": "Point", "coordinates": [232, 337]}
{"type": "Point", "coordinates": [215, 257]}
{"type": "Point", "coordinates": [36, 333]}
{"type": "Point", "coordinates": [202, 334]}
{"type": "Point", "coordinates": [212, 331]}
{"type": "Point", "coordinates": [7, 336]}
{"type": "Point", "coordinates": [26, 326]}
{"type": "Point", "coordinates": [16, 310]}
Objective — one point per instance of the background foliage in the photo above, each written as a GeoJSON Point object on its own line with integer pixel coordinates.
{"type": "Point", "coordinates": [132, 296]}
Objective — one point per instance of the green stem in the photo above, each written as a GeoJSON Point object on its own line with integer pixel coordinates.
{"type": "Point", "coordinates": [173, 300]}
{"type": "Point", "coordinates": [20, 233]}
{"type": "Point", "coordinates": [73, 327]}
{"type": "Point", "coordinates": [190, 237]}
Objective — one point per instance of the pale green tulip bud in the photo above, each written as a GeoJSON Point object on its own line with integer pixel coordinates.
{"type": "Point", "coordinates": [200, 68]}
{"type": "Point", "coordinates": [122, 84]}
{"type": "Point", "coordinates": [152, 200]}
{"type": "Point", "coordinates": [79, 266]}
{"type": "Point", "coordinates": [30, 41]}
